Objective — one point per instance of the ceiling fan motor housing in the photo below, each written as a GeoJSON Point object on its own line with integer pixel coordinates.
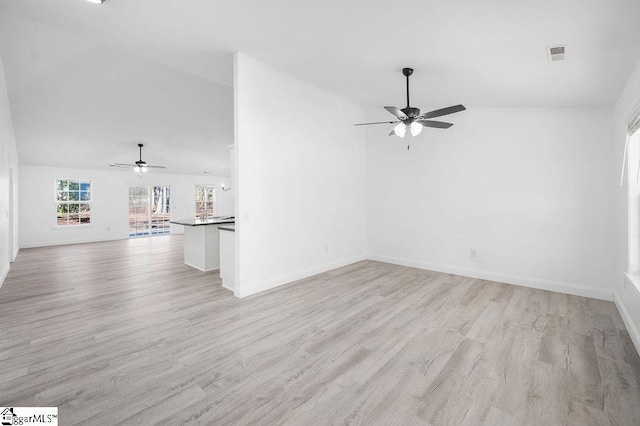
{"type": "Point", "coordinates": [411, 112]}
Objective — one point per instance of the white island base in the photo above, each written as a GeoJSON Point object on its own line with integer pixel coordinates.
{"type": "Point", "coordinates": [202, 247]}
{"type": "Point", "coordinates": [228, 257]}
{"type": "Point", "coordinates": [202, 241]}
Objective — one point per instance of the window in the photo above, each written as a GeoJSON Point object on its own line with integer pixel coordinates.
{"type": "Point", "coordinates": [634, 205]}
{"type": "Point", "coordinates": [73, 202]}
{"type": "Point", "coordinates": [632, 158]}
{"type": "Point", "coordinates": [204, 201]}
{"type": "Point", "coordinates": [149, 210]}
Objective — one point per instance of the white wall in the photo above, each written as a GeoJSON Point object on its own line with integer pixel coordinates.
{"type": "Point", "coordinates": [8, 197]}
{"type": "Point", "coordinates": [627, 293]}
{"type": "Point", "coordinates": [529, 189]}
{"type": "Point", "coordinates": [109, 204]}
{"type": "Point", "coordinates": [301, 178]}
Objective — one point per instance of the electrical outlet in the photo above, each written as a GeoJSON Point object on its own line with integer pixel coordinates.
{"type": "Point", "coordinates": [473, 253]}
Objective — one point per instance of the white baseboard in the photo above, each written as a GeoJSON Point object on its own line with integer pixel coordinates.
{"type": "Point", "coordinates": [628, 321]}
{"type": "Point", "coordinates": [66, 243]}
{"type": "Point", "coordinates": [289, 278]}
{"type": "Point", "coordinates": [4, 273]}
{"type": "Point", "coordinates": [200, 269]}
{"type": "Point", "coordinates": [15, 253]}
{"type": "Point", "coordinates": [556, 286]}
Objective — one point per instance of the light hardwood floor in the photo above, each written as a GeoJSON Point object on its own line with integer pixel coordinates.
{"type": "Point", "coordinates": [124, 332]}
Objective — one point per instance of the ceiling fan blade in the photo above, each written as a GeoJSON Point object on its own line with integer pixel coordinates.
{"type": "Point", "coordinates": [395, 111]}
{"type": "Point", "coordinates": [436, 124]}
{"type": "Point", "coordinates": [443, 111]}
{"type": "Point", "coordinates": [156, 167]}
{"type": "Point", "coordinates": [121, 165]}
{"type": "Point", "coordinates": [377, 122]}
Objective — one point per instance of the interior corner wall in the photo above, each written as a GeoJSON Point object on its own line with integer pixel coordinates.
{"type": "Point", "coordinates": [627, 293]}
{"type": "Point", "coordinates": [8, 165]}
{"type": "Point", "coordinates": [301, 178]}
{"type": "Point", "coordinates": [528, 189]}
{"type": "Point", "coordinates": [109, 208]}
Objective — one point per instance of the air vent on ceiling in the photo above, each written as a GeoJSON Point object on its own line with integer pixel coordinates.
{"type": "Point", "coordinates": [556, 53]}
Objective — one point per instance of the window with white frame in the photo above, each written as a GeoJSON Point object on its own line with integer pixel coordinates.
{"type": "Point", "coordinates": [73, 202]}
{"type": "Point", "coordinates": [634, 204]}
{"type": "Point", "coordinates": [204, 201]}
{"type": "Point", "coordinates": [632, 155]}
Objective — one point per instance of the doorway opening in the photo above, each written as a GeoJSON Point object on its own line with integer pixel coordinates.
{"type": "Point", "coordinates": [149, 210]}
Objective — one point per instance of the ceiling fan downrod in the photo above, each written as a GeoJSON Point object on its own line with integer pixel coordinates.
{"type": "Point", "coordinates": [407, 73]}
{"type": "Point", "coordinates": [410, 112]}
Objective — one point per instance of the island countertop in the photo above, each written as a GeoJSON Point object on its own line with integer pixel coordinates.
{"type": "Point", "coordinates": [200, 222]}
{"type": "Point", "coordinates": [231, 228]}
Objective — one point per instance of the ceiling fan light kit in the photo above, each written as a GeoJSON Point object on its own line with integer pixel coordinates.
{"type": "Point", "coordinates": [400, 130]}
{"type": "Point", "coordinates": [416, 128]}
{"type": "Point", "coordinates": [409, 118]}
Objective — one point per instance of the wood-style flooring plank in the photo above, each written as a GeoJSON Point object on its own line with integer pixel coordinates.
{"type": "Point", "coordinates": [123, 332]}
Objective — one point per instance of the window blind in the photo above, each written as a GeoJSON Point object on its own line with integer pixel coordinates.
{"type": "Point", "coordinates": [633, 126]}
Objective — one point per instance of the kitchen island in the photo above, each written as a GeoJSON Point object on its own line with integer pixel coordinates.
{"type": "Point", "coordinates": [202, 241]}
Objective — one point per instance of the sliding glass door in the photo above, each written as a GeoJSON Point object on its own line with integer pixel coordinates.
{"type": "Point", "coordinates": [149, 210]}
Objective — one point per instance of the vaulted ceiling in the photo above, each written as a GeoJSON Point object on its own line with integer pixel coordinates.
{"type": "Point", "coordinates": [83, 104]}
{"type": "Point", "coordinates": [167, 65]}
